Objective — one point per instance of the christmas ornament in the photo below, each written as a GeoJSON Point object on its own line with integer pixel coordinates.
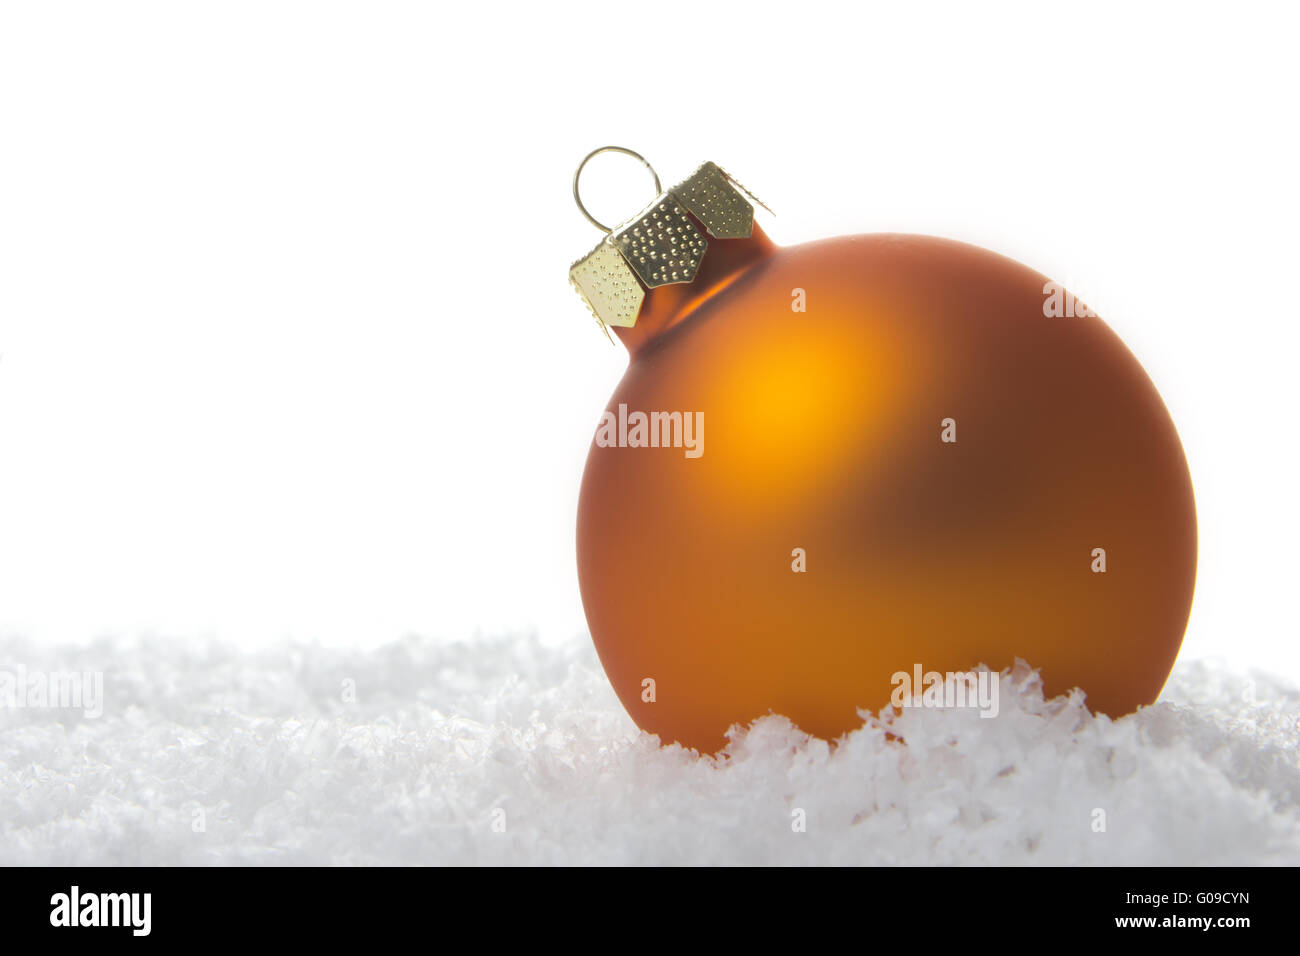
{"type": "Point", "coordinates": [834, 464]}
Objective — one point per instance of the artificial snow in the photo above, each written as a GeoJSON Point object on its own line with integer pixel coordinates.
{"type": "Point", "coordinates": [512, 752]}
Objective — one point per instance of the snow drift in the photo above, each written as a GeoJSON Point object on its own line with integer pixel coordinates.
{"type": "Point", "coordinates": [509, 751]}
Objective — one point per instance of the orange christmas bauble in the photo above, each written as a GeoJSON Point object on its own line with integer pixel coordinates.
{"type": "Point", "coordinates": [833, 463]}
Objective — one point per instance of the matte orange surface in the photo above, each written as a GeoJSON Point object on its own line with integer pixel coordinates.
{"type": "Point", "coordinates": [822, 432]}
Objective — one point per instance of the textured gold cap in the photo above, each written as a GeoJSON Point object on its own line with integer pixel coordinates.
{"type": "Point", "coordinates": [661, 245]}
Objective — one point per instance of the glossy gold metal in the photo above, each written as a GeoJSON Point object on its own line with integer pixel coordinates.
{"type": "Point", "coordinates": [710, 197]}
{"type": "Point", "coordinates": [577, 175]}
{"type": "Point", "coordinates": [608, 285]}
{"type": "Point", "coordinates": [662, 245]}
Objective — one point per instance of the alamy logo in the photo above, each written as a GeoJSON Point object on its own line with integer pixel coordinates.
{"type": "Point", "coordinates": [1059, 302]}
{"type": "Point", "coordinates": [77, 690]}
{"type": "Point", "coordinates": [102, 909]}
{"type": "Point", "coordinates": [975, 689]}
{"type": "Point", "coordinates": [683, 430]}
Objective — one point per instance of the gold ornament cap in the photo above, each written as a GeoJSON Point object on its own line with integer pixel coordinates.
{"type": "Point", "coordinates": [661, 245]}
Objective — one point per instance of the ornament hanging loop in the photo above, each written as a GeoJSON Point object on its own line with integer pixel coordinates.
{"type": "Point", "coordinates": [577, 174]}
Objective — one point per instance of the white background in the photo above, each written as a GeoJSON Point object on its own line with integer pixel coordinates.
{"type": "Point", "coordinates": [287, 346]}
